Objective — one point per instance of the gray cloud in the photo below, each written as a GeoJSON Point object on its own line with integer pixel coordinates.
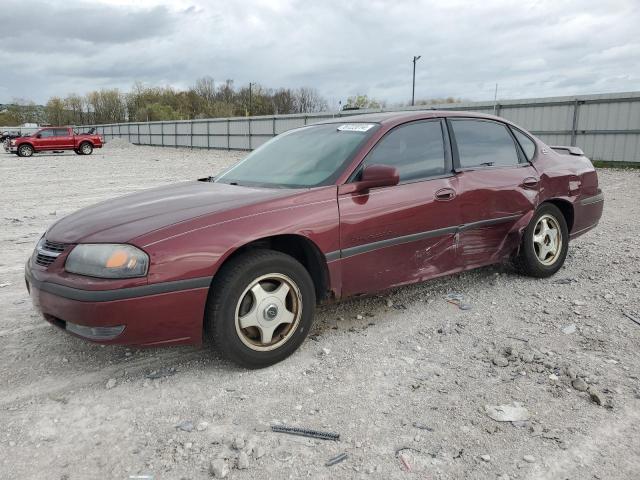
{"type": "Point", "coordinates": [532, 48]}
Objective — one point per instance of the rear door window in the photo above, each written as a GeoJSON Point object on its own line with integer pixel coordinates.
{"type": "Point", "coordinates": [415, 149]}
{"type": "Point", "coordinates": [61, 132]}
{"type": "Point", "coordinates": [47, 133]}
{"type": "Point", "coordinates": [484, 144]}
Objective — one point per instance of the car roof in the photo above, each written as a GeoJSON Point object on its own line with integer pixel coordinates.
{"type": "Point", "coordinates": [394, 118]}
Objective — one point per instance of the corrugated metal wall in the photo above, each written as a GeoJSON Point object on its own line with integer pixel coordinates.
{"type": "Point", "coordinates": [606, 126]}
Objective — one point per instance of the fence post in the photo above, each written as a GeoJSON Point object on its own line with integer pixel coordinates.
{"type": "Point", "coordinates": [175, 134]}
{"type": "Point", "coordinates": [249, 127]}
{"type": "Point", "coordinates": [228, 134]}
{"type": "Point", "coordinates": [162, 133]}
{"type": "Point", "coordinates": [498, 107]}
{"type": "Point", "coordinates": [574, 125]}
{"type": "Point", "coordinates": [208, 134]}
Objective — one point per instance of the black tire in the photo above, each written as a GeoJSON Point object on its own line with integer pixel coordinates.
{"type": "Point", "coordinates": [78, 152]}
{"type": "Point", "coordinates": [528, 261]}
{"type": "Point", "coordinates": [85, 148]}
{"type": "Point", "coordinates": [25, 150]}
{"type": "Point", "coordinates": [231, 282]}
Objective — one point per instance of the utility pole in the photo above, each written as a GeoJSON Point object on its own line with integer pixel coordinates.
{"type": "Point", "coordinates": [413, 89]}
{"type": "Point", "coordinates": [495, 99]}
{"type": "Point", "coordinates": [250, 84]}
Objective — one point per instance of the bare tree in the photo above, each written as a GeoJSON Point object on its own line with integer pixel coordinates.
{"type": "Point", "coordinates": [308, 100]}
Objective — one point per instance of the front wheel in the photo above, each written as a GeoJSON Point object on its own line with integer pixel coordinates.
{"type": "Point", "coordinates": [86, 148]}
{"type": "Point", "coordinates": [25, 150]}
{"type": "Point", "coordinates": [260, 308]}
{"type": "Point", "coordinates": [544, 244]}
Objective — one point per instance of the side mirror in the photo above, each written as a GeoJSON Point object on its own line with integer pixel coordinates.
{"type": "Point", "coordinates": [38, 135]}
{"type": "Point", "coordinates": [377, 176]}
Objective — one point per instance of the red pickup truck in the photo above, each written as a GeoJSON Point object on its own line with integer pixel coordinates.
{"type": "Point", "coordinates": [55, 139]}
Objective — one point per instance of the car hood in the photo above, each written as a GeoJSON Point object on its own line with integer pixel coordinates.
{"type": "Point", "coordinates": [125, 218]}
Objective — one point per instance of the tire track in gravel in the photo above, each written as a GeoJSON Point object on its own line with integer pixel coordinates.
{"type": "Point", "coordinates": [56, 385]}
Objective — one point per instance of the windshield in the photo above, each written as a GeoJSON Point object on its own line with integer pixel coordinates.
{"type": "Point", "coordinates": [305, 157]}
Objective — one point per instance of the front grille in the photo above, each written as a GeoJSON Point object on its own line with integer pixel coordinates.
{"type": "Point", "coordinates": [54, 246]}
{"type": "Point", "coordinates": [47, 252]}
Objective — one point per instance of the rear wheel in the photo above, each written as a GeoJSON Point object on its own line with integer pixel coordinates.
{"type": "Point", "coordinates": [544, 244]}
{"type": "Point", "coordinates": [25, 150]}
{"type": "Point", "coordinates": [86, 148]}
{"type": "Point", "coordinates": [260, 308]}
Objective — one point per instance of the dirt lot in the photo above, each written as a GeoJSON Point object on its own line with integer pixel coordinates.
{"type": "Point", "coordinates": [404, 378]}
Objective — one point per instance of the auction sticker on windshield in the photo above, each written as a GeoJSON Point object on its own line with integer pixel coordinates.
{"type": "Point", "coordinates": [355, 127]}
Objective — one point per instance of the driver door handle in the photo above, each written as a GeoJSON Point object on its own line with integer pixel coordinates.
{"type": "Point", "coordinates": [445, 194]}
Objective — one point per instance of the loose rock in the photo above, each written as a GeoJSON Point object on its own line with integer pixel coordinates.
{"type": "Point", "coordinates": [243, 461]}
{"type": "Point", "coordinates": [579, 384]}
{"type": "Point", "coordinates": [507, 413]}
{"type": "Point", "coordinates": [219, 468]}
{"type": "Point", "coordinates": [185, 426]}
{"type": "Point", "coordinates": [500, 361]}
{"type": "Point", "coordinates": [110, 383]}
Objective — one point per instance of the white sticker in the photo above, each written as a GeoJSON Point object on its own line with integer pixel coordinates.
{"type": "Point", "coordinates": [355, 127]}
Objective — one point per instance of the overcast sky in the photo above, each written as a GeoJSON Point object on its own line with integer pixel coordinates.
{"type": "Point", "coordinates": [530, 48]}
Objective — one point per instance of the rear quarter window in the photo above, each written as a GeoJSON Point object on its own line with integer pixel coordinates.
{"type": "Point", "coordinates": [528, 146]}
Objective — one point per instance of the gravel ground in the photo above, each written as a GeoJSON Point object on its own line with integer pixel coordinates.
{"type": "Point", "coordinates": [405, 378]}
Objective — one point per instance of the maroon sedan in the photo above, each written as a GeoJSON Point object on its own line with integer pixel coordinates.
{"type": "Point", "coordinates": [347, 207]}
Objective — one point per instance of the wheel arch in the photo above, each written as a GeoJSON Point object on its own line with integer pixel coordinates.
{"type": "Point", "coordinates": [566, 208]}
{"type": "Point", "coordinates": [86, 141]}
{"type": "Point", "coordinates": [297, 246]}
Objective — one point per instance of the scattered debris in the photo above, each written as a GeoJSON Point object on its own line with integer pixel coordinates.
{"type": "Point", "coordinates": [422, 426]}
{"type": "Point", "coordinates": [405, 462]}
{"type": "Point", "coordinates": [633, 317]}
{"type": "Point", "coordinates": [110, 383]}
{"type": "Point", "coordinates": [569, 329]}
{"type": "Point", "coordinates": [507, 413]}
{"type": "Point", "coordinates": [457, 299]}
{"type": "Point", "coordinates": [305, 432]}
{"type": "Point", "coordinates": [6, 284]}
{"type": "Point", "coordinates": [326, 351]}
{"type": "Point", "coordinates": [165, 372]}
{"type": "Point", "coordinates": [336, 459]}
{"type": "Point", "coordinates": [485, 458]}
{"type": "Point", "coordinates": [564, 281]}
{"type": "Point", "coordinates": [529, 458]}
{"type": "Point", "coordinates": [185, 426]}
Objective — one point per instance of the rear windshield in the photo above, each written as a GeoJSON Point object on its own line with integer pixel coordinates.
{"type": "Point", "coordinates": [301, 158]}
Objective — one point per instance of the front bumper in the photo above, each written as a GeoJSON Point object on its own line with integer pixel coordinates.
{"type": "Point", "coordinates": [168, 313]}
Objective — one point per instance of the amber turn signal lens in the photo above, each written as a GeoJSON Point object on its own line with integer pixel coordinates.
{"type": "Point", "coordinates": [117, 259]}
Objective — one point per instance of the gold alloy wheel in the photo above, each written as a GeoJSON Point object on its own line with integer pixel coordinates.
{"type": "Point", "coordinates": [268, 312]}
{"type": "Point", "coordinates": [547, 240]}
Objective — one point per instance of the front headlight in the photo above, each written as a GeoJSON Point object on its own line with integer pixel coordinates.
{"type": "Point", "coordinates": [13, 142]}
{"type": "Point", "coordinates": [107, 260]}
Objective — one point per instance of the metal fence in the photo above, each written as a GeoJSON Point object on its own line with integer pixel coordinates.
{"type": "Point", "coordinates": [605, 126]}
